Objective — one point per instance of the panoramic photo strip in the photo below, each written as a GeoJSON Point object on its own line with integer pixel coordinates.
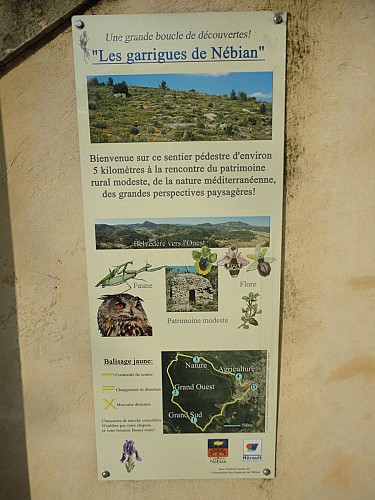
{"type": "Point", "coordinates": [180, 107]}
{"type": "Point", "coordinates": [182, 232]}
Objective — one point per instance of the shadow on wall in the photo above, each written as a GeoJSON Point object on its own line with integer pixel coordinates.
{"type": "Point", "coordinates": [14, 479]}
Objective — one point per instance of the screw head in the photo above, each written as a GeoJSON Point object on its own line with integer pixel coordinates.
{"type": "Point", "coordinates": [278, 18]}
{"type": "Point", "coordinates": [105, 474]}
{"type": "Point", "coordinates": [79, 24]}
{"type": "Point", "coordinates": [266, 472]}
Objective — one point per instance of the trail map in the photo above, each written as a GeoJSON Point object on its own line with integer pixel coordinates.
{"type": "Point", "coordinates": [214, 391]}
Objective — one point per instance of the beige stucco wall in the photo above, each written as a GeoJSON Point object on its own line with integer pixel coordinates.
{"type": "Point", "coordinates": [326, 425]}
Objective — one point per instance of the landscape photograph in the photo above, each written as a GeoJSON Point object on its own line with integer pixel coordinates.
{"type": "Point", "coordinates": [180, 107]}
{"type": "Point", "coordinates": [182, 232]}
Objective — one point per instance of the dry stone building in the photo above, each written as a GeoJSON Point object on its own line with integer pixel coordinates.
{"type": "Point", "coordinates": [188, 289]}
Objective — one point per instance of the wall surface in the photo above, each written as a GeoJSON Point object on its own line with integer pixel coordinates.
{"type": "Point", "coordinates": [325, 443]}
{"type": "Point", "coordinates": [24, 23]}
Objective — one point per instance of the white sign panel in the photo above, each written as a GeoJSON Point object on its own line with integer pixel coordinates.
{"type": "Point", "coordinates": [181, 124]}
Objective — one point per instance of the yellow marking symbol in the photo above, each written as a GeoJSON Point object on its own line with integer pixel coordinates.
{"type": "Point", "coordinates": [108, 388]}
{"type": "Point", "coordinates": [109, 404]}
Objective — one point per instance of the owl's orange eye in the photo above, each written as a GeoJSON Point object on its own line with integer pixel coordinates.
{"type": "Point", "coordinates": [119, 305]}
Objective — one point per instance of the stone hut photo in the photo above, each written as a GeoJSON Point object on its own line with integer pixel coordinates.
{"type": "Point", "coordinates": [188, 291]}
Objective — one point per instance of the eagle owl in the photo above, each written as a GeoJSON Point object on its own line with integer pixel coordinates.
{"type": "Point", "coordinates": [122, 315]}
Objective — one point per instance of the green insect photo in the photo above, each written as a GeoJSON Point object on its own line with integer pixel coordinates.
{"type": "Point", "coordinates": [121, 274]}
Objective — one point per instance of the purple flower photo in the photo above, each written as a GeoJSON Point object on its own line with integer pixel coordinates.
{"type": "Point", "coordinates": [128, 454]}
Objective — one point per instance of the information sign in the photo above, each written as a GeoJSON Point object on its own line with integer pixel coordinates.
{"type": "Point", "coordinates": [181, 126]}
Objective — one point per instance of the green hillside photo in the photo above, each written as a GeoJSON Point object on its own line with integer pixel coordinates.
{"type": "Point", "coordinates": [164, 233]}
{"type": "Point", "coordinates": [125, 112]}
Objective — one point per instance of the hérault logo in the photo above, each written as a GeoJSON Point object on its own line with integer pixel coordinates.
{"type": "Point", "coordinates": [252, 450]}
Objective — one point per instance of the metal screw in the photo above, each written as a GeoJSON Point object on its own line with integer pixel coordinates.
{"type": "Point", "coordinates": [266, 472]}
{"type": "Point", "coordinates": [79, 24]}
{"type": "Point", "coordinates": [105, 474]}
{"type": "Point", "coordinates": [278, 18]}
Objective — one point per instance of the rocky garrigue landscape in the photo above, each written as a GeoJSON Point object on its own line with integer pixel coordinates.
{"type": "Point", "coordinates": [143, 114]}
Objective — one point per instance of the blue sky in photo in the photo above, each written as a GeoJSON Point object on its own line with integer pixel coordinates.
{"type": "Point", "coordinates": [183, 268]}
{"type": "Point", "coordinates": [253, 221]}
{"type": "Point", "coordinates": [255, 84]}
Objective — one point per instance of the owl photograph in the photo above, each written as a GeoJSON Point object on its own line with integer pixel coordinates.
{"type": "Point", "coordinates": [122, 315]}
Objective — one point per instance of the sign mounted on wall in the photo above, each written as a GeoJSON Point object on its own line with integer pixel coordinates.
{"type": "Point", "coordinates": [181, 126]}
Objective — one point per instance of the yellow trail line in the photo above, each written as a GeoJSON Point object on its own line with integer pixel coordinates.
{"type": "Point", "coordinates": [216, 370]}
